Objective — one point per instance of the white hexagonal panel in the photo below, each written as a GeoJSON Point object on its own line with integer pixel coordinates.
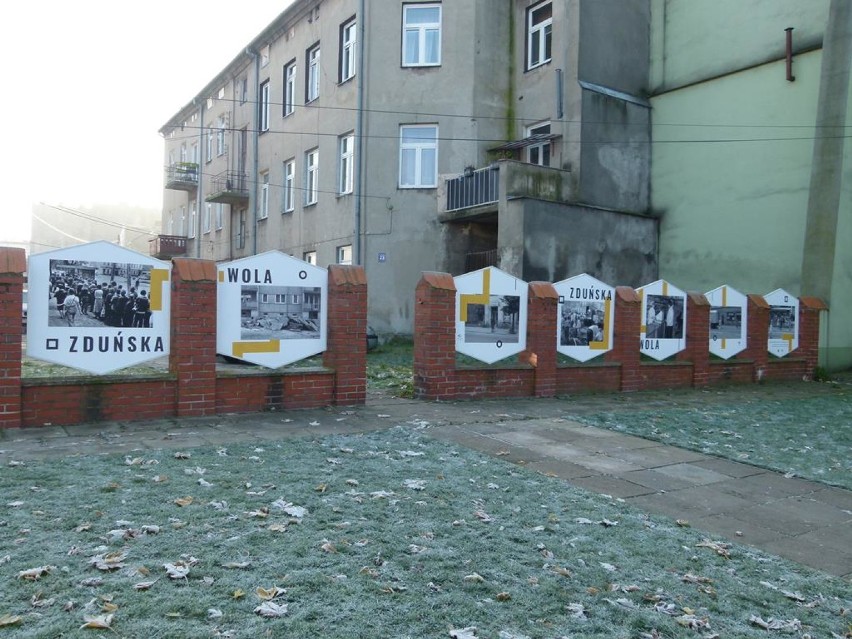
{"type": "Point", "coordinates": [272, 309]}
{"type": "Point", "coordinates": [491, 314]}
{"type": "Point", "coordinates": [586, 316]}
{"type": "Point", "coordinates": [120, 314]}
{"type": "Point", "coordinates": [783, 322]}
{"type": "Point", "coordinates": [728, 321]}
{"type": "Point", "coordinates": [663, 330]}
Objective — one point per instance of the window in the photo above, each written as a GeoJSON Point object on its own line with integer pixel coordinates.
{"type": "Point", "coordinates": [310, 257]}
{"type": "Point", "coordinates": [296, 297]}
{"type": "Point", "coordinates": [344, 254]}
{"type": "Point", "coordinates": [418, 156]}
{"type": "Point", "coordinates": [220, 216]}
{"type": "Point", "coordinates": [421, 35]}
{"type": "Point", "coordinates": [183, 152]}
{"type": "Point", "coordinates": [312, 79]}
{"type": "Point", "coordinates": [539, 35]}
{"type": "Point", "coordinates": [290, 88]}
{"type": "Point", "coordinates": [312, 176]}
{"type": "Point", "coordinates": [205, 218]}
{"type": "Point", "coordinates": [348, 36]}
{"type": "Point", "coordinates": [539, 153]}
{"type": "Point", "coordinates": [209, 155]}
{"type": "Point", "coordinates": [347, 162]}
{"type": "Point", "coordinates": [220, 135]}
{"type": "Point", "coordinates": [193, 155]}
{"type": "Point", "coordinates": [289, 196]}
{"type": "Point", "coordinates": [170, 225]}
{"type": "Point", "coordinates": [264, 56]}
{"type": "Point", "coordinates": [263, 116]}
{"type": "Point", "coordinates": [242, 90]}
{"type": "Point", "coordinates": [193, 216]}
{"type": "Point", "coordinates": [182, 221]}
{"type": "Point", "coordinates": [240, 235]}
{"type": "Point", "coordinates": [264, 195]}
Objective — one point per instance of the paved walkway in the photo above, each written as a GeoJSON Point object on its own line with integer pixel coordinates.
{"type": "Point", "coordinates": [804, 521]}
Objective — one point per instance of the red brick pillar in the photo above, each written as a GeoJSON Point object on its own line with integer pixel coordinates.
{"type": "Point", "coordinates": [193, 336]}
{"type": "Point", "coordinates": [541, 337]}
{"type": "Point", "coordinates": [757, 346]}
{"type": "Point", "coordinates": [697, 336]}
{"type": "Point", "coordinates": [435, 336]}
{"type": "Point", "coordinates": [809, 312]}
{"type": "Point", "coordinates": [625, 337]}
{"type": "Point", "coordinates": [346, 352]}
{"type": "Point", "coordinates": [13, 265]}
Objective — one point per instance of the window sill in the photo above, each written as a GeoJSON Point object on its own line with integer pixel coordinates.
{"type": "Point", "coordinates": [405, 187]}
{"type": "Point", "coordinates": [309, 204]}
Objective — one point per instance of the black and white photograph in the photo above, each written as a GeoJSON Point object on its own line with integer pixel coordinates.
{"type": "Point", "coordinates": [663, 317]}
{"type": "Point", "coordinates": [726, 322]}
{"type": "Point", "coordinates": [782, 321]}
{"type": "Point", "coordinates": [581, 323]}
{"type": "Point", "coordinates": [99, 294]}
{"type": "Point", "coordinates": [280, 312]}
{"type": "Point", "coordinates": [496, 322]}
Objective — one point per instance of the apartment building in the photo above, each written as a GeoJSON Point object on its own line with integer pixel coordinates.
{"type": "Point", "coordinates": [422, 136]}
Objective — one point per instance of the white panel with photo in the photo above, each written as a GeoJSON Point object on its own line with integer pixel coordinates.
{"type": "Point", "coordinates": [663, 329]}
{"type": "Point", "coordinates": [585, 319]}
{"type": "Point", "coordinates": [728, 321]}
{"type": "Point", "coordinates": [783, 322]}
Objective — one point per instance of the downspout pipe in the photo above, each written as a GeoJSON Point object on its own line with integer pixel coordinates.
{"type": "Point", "coordinates": [199, 192]}
{"type": "Point", "coordinates": [359, 134]}
{"type": "Point", "coordinates": [254, 158]}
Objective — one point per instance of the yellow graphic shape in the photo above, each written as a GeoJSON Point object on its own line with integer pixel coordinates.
{"type": "Point", "coordinates": [724, 296]}
{"type": "Point", "coordinates": [644, 327]}
{"type": "Point", "coordinates": [788, 337]}
{"type": "Point", "coordinates": [604, 343]}
{"type": "Point", "coordinates": [476, 298]}
{"type": "Point", "coordinates": [665, 287]}
{"type": "Point", "coordinates": [269, 346]}
{"type": "Point", "coordinates": [724, 339]}
{"type": "Point", "coordinates": [159, 276]}
{"type": "Point", "coordinates": [221, 276]}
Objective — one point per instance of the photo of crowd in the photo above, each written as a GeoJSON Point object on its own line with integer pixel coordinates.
{"type": "Point", "coordinates": [496, 321]}
{"type": "Point", "coordinates": [98, 294]}
{"type": "Point", "coordinates": [663, 317]}
{"type": "Point", "coordinates": [782, 321]}
{"type": "Point", "coordinates": [581, 323]}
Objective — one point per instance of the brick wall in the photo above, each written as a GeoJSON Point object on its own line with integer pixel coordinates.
{"type": "Point", "coordinates": [192, 386]}
{"type": "Point", "coordinates": [538, 372]}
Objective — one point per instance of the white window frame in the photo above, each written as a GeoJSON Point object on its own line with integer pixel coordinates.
{"type": "Point", "coordinates": [288, 199]}
{"type": "Point", "coordinates": [264, 56]}
{"type": "Point", "coordinates": [312, 81]}
{"type": "Point", "coordinates": [310, 257]}
{"type": "Point", "coordinates": [346, 170]}
{"type": "Point", "coordinates": [264, 106]}
{"type": "Point", "coordinates": [344, 254]}
{"type": "Point", "coordinates": [420, 31]}
{"type": "Point", "coordinates": [240, 235]}
{"type": "Point", "coordinates": [220, 136]}
{"type": "Point", "coordinates": [348, 49]}
{"type": "Point", "coordinates": [418, 146]}
{"type": "Point", "coordinates": [289, 88]}
{"type": "Point", "coordinates": [311, 177]}
{"type": "Point", "coordinates": [539, 36]}
{"type": "Point", "coordinates": [220, 216]}
{"type": "Point", "coordinates": [182, 222]}
{"type": "Point", "coordinates": [209, 156]}
{"type": "Point", "coordinates": [193, 215]}
{"type": "Point", "coordinates": [541, 152]}
{"type": "Point", "coordinates": [263, 211]}
{"type": "Point", "coordinates": [205, 217]}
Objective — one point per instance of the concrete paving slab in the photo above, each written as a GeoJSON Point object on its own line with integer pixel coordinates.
{"type": "Point", "coordinates": [561, 469]}
{"type": "Point", "coordinates": [485, 444]}
{"type": "Point", "coordinates": [804, 551]}
{"type": "Point", "coordinates": [524, 439]}
{"type": "Point", "coordinates": [706, 500]}
{"type": "Point", "coordinates": [741, 532]}
{"type": "Point", "coordinates": [768, 486]}
{"type": "Point", "coordinates": [690, 473]}
{"type": "Point", "coordinates": [727, 467]}
{"type": "Point", "coordinates": [603, 464]}
{"type": "Point", "coordinates": [661, 504]}
{"type": "Point", "coordinates": [609, 485]}
{"type": "Point", "coordinates": [658, 481]}
{"type": "Point", "coordinates": [836, 497]}
{"type": "Point", "coordinates": [788, 516]}
{"type": "Point", "coordinates": [657, 455]}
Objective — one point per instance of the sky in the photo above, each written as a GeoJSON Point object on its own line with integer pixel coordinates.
{"type": "Point", "coordinates": [89, 83]}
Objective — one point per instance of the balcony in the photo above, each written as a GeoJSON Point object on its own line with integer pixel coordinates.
{"type": "Point", "coordinates": [480, 260]}
{"type": "Point", "coordinates": [229, 187]}
{"type": "Point", "coordinates": [182, 176]}
{"type": "Point", "coordinates": [164, 247]}
{"type": "Point", "coordinates": [480, 194]}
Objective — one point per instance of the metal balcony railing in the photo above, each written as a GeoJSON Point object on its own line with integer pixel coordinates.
{"type": "Point", "coordinates": [230, 187]}
{"type": "Point", "coordinates": [480, 259]}
{"type": "Point", "coordinates": [167, 246]}
{"type": "Point", "coordinates": [473, 188]}
{"type": "Point", "coordinates": [182, 176]}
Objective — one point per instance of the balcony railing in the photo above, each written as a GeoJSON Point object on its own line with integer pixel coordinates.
{"type": "Point", "coordinates": [480, 259]}
{"type": "Point", "coordinates": [164, 247]}
{"type": "Point", "coordinates": [229, 187]}
{"type": "Point", "coordinates": [182, 176]}
{"type": "Point", "coordinates": [473, 188]}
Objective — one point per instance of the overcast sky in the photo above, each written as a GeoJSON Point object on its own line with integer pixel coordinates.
{"type": "Point", "coordinates": [89, 83]}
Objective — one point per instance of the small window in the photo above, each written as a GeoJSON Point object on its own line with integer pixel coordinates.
{"type": "Point", "coordinates": [240, 235]}
{"type": "Point", "coordinates": [421, 35]}
{"type": "Point", "coordinates": [311, 177]}
{"type": "Point", "coordinates": [295, 298]}
{"type": "Point", "coordinates": [347, 162]}
{"type": "Point", "coordinates": [220, 216]}
{"type": "Point", "coordinates": [312, 81]}
{"type": "Point", "coordinates": [264, 56]}
{"type": "Point", "coordinates": [418, 156]}
{"type": "Point", "coordinates": [539, 34]}
{"type": "Point", "coordinates": [243, 90]}
{"type": "Point", "coordinates": [348, 36]}
{"type": "Point", "coordinates": [263, 105]}
{"type": "Point", "coordinates": [264, 195]}
{"type": "Point", "coordinates": [220, 136]}
{"type": "Point", "coordinates": [539, 152]}
{"type": "Point", "coordinates": [193, 216]}
{"type": "Point", "coordinates": [344, 254]}
{"type": "Point", "coordinates": [209, 155]}
{"type": "Point", "coordinates": [205, 218]}
{"type": "Point", "coordinates": [310, 257]}
{"type": "Point", "coordinates": [289, 196]}
{"type": "Point", "coordinates": [289, 88]}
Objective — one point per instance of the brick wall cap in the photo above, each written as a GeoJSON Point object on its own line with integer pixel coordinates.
{"type": "Point", "coordinates": [195, 270]}
{"type": "Point", "coordinates": [543, 290]}
{"type": "Point", "coordinates": [346, 274]}
{"type": "Point", "coordinates": [13, 260]}
{"type": "Point", "coordinates": [698, 299]}
{"type": "Point", "coordinates": [627, 294]}
{"type": "Point", "coordinates": [814, 303]}
{"type": "Point", "coordinates": [758, 300]}
{"type": "Point", "coordinates": [435, 279]}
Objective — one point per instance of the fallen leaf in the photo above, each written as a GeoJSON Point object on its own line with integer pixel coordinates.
{"type": "Point", "coordinates": [328, 547]}
{"type": "Point", "coordinates": [10, 620]}
{"type": "Point", "coordinates": [721, 548]}
{"type": "Point", "coordinates": [238, 594]}
{"type": "Point", "coordinates": [214, 613]}
{"type": "Point", "coordinates": [101, 622]}
{"type": "Point", "coordinates": [182, 455]}
{"type": "Point", "coordinates": [183, 501]}
{"type": "Point", "coordinates": [268, 594]}
{"type": "Point", "coordinates": [415, 484]}
{"type": "Point", "coordinates": [474, 577]}
{"type": "Point", "coordinates": [503, 596]}
{"type": "Point", "coordinates": [33, 574]}
{"type": "Point", "coordinates": [776, 624]}
{"type": "Point", "coordinates": [271, 609]}
{"type": "Point", "coordinates": [463, 633]}
{"type": "Point", "coordinates": [144, 585]}
{"type": "Point", "coordinates": [236, 564]}
{"type": "Point", "coordinates": [577, 610]}
{"type": "Point", "coordinates": [683, 523]}
{"type": "Point", "coordinates": [109, 561]}
{"type": "Point", "coordinates": [177, 570]}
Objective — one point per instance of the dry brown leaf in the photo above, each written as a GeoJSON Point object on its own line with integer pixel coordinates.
{"type": "Point", "coordinates": [271, 609]}
{"type": "Point", "coordinates": [144, 585]}
{"type": "Point", "coordinates": [109, 561]}
{"type": "Point", "coordinates": [474, 577]}
{"type": "Point", "coordinates": [238, 594]}
{"type": "Point", "coordinates": [183, 501]}
{"type": "Point", "coordinates": [721, 548]}
{"type": "Point", "coordinates": [10, 620]}
{"type": "Point", "coordinates": [109, 607]}
{"type": "Point", "coordinates": [101, 622]}
{"type": "Point", "coordinates": [268, 594]}
{"type": "Point", "coordinates": [503, 596]}
{"type": "Point", "coordinates": [683, 523]}
{"type": "Point", "coordinates": [182, 455]}
{"type": "Point", "coordinates": [328, 547]}
{"type": "Point", "coordinates": [33, 574]}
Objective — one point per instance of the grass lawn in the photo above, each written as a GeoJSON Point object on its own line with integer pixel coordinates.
{"type": "Point", "coordinates": [388, 534]}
